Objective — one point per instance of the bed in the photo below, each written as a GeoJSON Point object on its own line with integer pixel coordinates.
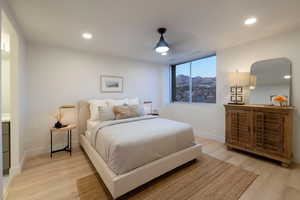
{"type": "Point", "coordinates": [155, 146]}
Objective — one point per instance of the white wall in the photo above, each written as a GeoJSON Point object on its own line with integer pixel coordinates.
{"type": "Point", "coordinates": [18, 91]}
{"type": "Point", "coordinates": [1, 155]}
{"type": "Point", "coordinates": [208, 119]}
{"type": "Point", "coordinates": [19, 97]}
{"type": "Point", "coordinates": [5, 86]}
{"type": "Point", "coordinates": [58, 76]}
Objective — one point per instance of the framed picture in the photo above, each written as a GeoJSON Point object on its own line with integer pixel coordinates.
{"type": "Point", "coordinates": [111, 83]}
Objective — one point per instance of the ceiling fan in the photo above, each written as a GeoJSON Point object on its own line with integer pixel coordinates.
{"type": "Point", "coordinates": [162, 46]}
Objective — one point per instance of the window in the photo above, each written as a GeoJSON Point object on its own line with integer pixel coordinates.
{"type": "Point", "coordinates": [195, 81]}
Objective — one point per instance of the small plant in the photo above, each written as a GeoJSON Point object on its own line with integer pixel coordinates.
{"type": "Point", "coordinates": [280, 99]}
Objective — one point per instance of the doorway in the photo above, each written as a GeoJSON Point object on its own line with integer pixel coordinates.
{"type": "Point", "coordinates": [9, 114]}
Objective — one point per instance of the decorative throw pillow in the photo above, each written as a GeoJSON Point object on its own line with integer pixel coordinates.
{"type": "Point", "coordinates": [94, 112]}
{"type": "Point", "coordinates": [139, 109]}
{"type": "Point", "coordinates": [106, 113]}
{"type": "Point", "coordinates": [134, 101]}
{"type": "Point", "coordinates": [125, 112]}
{"type": "Point", "coordinates": [117, 102]}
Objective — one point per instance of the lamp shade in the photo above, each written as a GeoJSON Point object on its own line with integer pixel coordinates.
{"type": "Point", "coordinates": [148, 107]}
{"type": "Point", "coordinates": [68, 114]}
{"type": "Point", "coordinates": [162, 46]}
{"type": "Point", "coordinates": [252, 82]}
{"type": "Point", "coordinates": [239, 78]}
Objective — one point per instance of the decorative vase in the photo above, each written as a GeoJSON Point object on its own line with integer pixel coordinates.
{"type": "Point", "coordinates": [281, 100]}
{"type": "Point", "coordinates": [58, 124]}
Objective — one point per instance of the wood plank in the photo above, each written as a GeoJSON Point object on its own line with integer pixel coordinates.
{"type": "Point", "coordinates": [53, 179]}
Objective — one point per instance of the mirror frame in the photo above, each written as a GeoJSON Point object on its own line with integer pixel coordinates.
{"type": "Point", "coordinates": [291, 79]}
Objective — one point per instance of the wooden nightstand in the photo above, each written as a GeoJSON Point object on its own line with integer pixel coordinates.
{"type": "Point", "coordinates": [68, 129]}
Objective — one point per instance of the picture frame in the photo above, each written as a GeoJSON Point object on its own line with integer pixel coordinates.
{"type": "Point", "coordinates": [111, 84]}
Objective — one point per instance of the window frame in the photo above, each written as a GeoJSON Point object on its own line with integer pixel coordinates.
{"type": "Point", "coordinates": [173, 80]}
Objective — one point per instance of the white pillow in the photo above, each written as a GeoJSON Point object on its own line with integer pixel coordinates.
{"type": "Point", "coordinates": [106, 113]}
{"type": "Point", "coordinates": [133, 101]}
{"type": "Point", "coordinates": [94, 112]}
{"type": "Point", "coordinates": [117, 102]}
{"type": "Point", "coordinates": [140, 110]}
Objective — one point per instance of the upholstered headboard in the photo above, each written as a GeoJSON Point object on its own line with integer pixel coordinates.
{"type": "Point", "coordinates": [83, 116]}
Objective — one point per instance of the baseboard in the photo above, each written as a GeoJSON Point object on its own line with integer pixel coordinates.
{"type": "Point", "coordinates": [211, 136]}
{"type": "Point", "coordinates": [5, 191]}
{"type": "Point", "coordinates": [42, 150]}
{"type": "Point", "coordinates": [14, 171]}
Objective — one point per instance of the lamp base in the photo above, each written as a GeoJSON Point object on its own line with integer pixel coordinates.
{"type": "Point", "coordinates": [236, 103]}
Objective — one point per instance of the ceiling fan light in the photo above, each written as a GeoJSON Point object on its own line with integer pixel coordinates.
{"type": "Point", "coordinates": [162, 46]}
{"type": "Point", "coordinates": [162, 49]}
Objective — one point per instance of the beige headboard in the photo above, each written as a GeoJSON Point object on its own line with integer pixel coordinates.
{"type": "Point", "coordinates": [83, 115]}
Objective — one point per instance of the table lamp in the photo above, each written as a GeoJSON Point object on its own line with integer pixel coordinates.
{"type": "Point", "coordinates": [59, 115]}
{"type": "Point", "coordinates": [148, 104]}
{"type": "Point", "coordinates": [238, 80]}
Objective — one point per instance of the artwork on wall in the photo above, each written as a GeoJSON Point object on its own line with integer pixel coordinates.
{"type": "Point", "coordinates": [111, 83]}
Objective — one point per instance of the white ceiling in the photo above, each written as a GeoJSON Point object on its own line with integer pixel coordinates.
{"type": "Point", "coordinates": [128, 27]}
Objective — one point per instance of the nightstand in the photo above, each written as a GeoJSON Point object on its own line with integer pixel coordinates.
{"type": "Point", "coordinates": [68, 129]}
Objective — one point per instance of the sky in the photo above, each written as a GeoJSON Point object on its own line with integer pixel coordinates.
{"type": "Point", "coordinates": [205, 67]}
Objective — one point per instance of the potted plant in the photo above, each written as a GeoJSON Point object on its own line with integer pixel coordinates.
{"type": "Point", "coordinates": [280, 99]}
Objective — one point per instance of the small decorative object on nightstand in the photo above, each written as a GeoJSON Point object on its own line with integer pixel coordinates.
{"type": "Point", "coordinates": [59, 115]}
{"type": "Point", "coordinates": [68, 129]}
{"type": "Point", "coordinates": [148, 107]}
{"type": "Point", "coordinates": [154, 112]}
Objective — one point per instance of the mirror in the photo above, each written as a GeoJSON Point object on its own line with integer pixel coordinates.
{"type": "Point", "coordinates": [270, 78]}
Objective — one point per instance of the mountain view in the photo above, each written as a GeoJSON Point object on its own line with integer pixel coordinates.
{"type": "Point", "coordinates": [203, 89]}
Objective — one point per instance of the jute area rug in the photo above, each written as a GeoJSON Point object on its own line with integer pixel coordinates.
{"type": "Point", "coordinates": [204, 179]}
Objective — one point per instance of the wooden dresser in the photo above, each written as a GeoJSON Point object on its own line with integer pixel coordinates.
{"type": "Point", "coordinates": [263, 130]}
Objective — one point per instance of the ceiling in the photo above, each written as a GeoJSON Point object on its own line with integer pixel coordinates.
{"type": "Point", "coordinates": [127, 28]}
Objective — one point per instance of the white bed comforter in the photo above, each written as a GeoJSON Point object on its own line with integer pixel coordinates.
{"type": "Point", "coordinates": [127, 144]}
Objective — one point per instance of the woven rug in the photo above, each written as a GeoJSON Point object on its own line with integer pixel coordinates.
{"type": "Point", "coordinates": [204, 179]}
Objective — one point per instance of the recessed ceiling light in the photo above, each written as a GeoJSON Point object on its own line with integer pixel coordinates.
{"type": "Point", "coordinates": [164, 53]}
{"type": "Point", "coordinates": [287, 76]}
{"type": "Point", "coordinates": [250, 21]}
{"type": "Point", "coordinates": [87, 36]}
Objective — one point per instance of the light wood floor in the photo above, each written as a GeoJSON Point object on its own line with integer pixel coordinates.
{"type": "Point", "coordinates": [52, 179]}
